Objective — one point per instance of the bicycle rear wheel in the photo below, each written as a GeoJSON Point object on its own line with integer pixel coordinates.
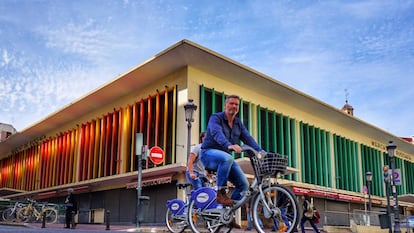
{"type": "Point", "coordinates": [175, 223]}
{"type": "Point", "coordinates": [284, 212]}
{"type": "Point", "coordinates": [9, 215]}
{"type": "Point", "coordinates": [51, 215]}
{"type": "Point", "coordinates": [201, 222]}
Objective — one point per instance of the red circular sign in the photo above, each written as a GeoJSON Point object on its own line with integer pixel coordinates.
{"type": "Point", "coordinates": [156, 154]}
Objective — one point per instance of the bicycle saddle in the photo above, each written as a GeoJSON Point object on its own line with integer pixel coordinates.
{"type": "Point", "coordinates": [182, 185]}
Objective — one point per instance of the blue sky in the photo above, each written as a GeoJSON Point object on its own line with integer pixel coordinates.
{"type": "Point", "coordinates": [55, 52]}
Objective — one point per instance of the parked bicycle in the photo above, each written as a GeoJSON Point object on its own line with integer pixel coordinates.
{"type": "Point", "coordinates": [34, 212]}
{"type": "Point", "coordinates": [9, 214]}
{"type": "Point", "coordinates": [273, 206]}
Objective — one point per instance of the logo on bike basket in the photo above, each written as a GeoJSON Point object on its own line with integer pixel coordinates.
{"type": "Point", "coordinates": [175, 206]}
{"type": "Point", "coordinates": [202, 197]}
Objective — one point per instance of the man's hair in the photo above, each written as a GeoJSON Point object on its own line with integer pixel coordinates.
{"type": "Point", "coordinates": [232, 97]}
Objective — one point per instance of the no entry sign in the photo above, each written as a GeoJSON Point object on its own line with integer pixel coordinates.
{"type": "Point", "coordinates": [156, 154]}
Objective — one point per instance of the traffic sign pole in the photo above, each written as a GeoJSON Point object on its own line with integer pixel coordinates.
{"type": "Point", "coordinates": [141, 153]}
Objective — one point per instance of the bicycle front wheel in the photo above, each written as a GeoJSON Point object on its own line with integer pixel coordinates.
{"type": "Point", "coordinates": [51, 215]}
{"type": "Point", "coordinates": [175, 223]}
{"type": "Point", "coordinates": [283, 212]}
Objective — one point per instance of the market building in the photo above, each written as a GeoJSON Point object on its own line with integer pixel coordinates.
{"type": "Point", "coordinates": [89, 145]}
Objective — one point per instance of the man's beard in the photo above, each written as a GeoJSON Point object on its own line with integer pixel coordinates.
{"type": "Point", "coordinates": [232, 112]}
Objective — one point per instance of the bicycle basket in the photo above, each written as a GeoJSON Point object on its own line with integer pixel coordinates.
{"type": "Point", "coordinates": [176, 206]}
{"type": "Point", "coordinates": [204, 197]}
{"type": "Point", "coordinates": [270, 164]}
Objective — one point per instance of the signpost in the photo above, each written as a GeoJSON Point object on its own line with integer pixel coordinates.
{"type": "Point", "coordinates": [138, 151]}
{"type": "Point", "coordinates": [397, 176]}
{"type": "Point", "coordinates": [156, 155]}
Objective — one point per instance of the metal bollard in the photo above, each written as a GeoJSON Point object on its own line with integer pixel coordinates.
{"type": "Point", "coordinates": [108, 214]}
{"type": "Point", "coordinates": [44, 220]}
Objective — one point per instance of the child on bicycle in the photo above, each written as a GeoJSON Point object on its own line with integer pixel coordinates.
{"type": "Point", "coordinates": [195, 169]}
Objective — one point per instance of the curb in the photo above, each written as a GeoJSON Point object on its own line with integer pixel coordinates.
{"type": "Point", "coordinates": [16, 224]}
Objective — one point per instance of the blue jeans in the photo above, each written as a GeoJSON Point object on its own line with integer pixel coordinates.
{"type": "Point", "coordinates": [302, 224]}
{"type": "Point", "coordinates": [283, 212]}
{"type": "Point", "coordinates": [284, 217]}
{"type": "Point", "coordinates": [227, 170]}
{"type": "Point", "coordinates": [197, 183]}
{"type": "Point", "coordinates": [249, 221]}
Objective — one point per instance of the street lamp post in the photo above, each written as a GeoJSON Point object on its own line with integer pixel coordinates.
{"type": "Point", "coordinates": [189, 108]}
{"type": "Point", "coordinates": [368, 176]}
{"type": "Point", "coordinates": [391, 149]}
{"type": "Point", "coordinates": [387, 194]}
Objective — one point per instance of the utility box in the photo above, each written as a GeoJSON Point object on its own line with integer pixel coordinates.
{"type": "Point", "coordinates": [144, 207]}
{"type": "Point", "coordinates": [82, 216]}
{"type": "Point", "coordinates": [384, 221]}
{"type": "Point", "coordinates": [97, 215]}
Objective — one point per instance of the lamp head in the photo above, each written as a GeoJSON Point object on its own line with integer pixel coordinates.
{"type": "Point", "coordinates": [391, 148]}
{"type": "Point", "coordinates": [189, 108]}
{"type": "Point", "coordinates": [368, 176]}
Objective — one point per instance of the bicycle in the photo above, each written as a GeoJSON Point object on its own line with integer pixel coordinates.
{"type": "Point", "coordinates": [271, 204]}
{"type": "Point", "coordinates": [9, 214]}
{"type": "Point", "coordinates": [176, 215]}
{"type": "Point", "coordinates": [34, 212]}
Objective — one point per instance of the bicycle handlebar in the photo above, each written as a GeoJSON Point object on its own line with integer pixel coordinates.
{"type": "Point", "coordinates": [249, 151]}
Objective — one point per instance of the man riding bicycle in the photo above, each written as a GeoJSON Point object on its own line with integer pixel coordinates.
{"type": "Point", "coordinates": [224, 133]}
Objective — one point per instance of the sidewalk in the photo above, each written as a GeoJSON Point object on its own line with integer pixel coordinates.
{"type": "Point", "coordinates": [114, 227]}
{"type": "Point", "coordinates": [122, 228]}
{"type": "Point", "coordinates": [99, 227]}
{"type": "Point", "coordinates": [119, 228]}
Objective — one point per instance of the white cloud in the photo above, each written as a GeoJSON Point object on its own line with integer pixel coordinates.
{"type": "Point", "coordinates": [5, 58]}
{"type": "Point", "coordinates": [86, 39]}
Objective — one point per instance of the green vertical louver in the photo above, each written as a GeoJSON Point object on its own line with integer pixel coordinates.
{"type": "Point", "coordinates": [203, 115]}
{"type": "Point", "coordinates": [346, 164]}
{"type": "Point", "coordinates": [213, 101]}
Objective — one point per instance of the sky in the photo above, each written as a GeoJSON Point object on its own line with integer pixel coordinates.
{"type": "Point", "coordinates": [54, 52]}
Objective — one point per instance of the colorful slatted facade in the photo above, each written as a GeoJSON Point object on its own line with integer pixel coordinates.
{"type": "Point", "coordinates": [95, 148]}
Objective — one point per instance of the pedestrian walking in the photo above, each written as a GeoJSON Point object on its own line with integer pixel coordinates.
{"type": "Point", "coordinates": [308, 214]}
